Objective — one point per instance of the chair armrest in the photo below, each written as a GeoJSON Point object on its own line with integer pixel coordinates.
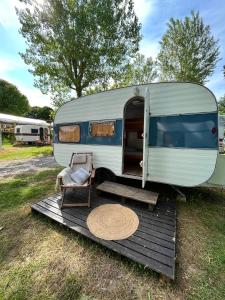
{"type": "Point", "coordinates": [64, 172]}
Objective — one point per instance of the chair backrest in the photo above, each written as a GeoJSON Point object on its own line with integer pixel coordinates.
{"type": "Point", "coordinates": [82, 160]}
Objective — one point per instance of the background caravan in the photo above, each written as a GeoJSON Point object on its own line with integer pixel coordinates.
{"type": "Point", "coordinates": [32, 134]}
{"type": "Point", "coordinates": [171, 129]}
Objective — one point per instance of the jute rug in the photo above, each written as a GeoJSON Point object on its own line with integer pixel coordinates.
{"type": "Point", "coordinates": [112, 222]}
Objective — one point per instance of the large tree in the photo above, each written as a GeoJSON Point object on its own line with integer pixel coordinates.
{"type": "Point", "coordinates": [189, 51]}
{"type": "Point", "coordinates": [43, 113]}
{"type": "Point", "coordinates": [12, 101]}
{"type": "Point", "coordinates": [140, 71]}
{"type": "Point", "coordinates": [72, 44]}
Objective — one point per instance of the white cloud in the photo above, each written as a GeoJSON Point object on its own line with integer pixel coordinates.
{"type": "Point", "coordinates": [150, 48]}
{"type": "Point", "coordinates": [143, 9]}
{"type": "Point", "coordinates": [34, 95]}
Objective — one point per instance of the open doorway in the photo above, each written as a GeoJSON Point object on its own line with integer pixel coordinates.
{"type": "Point", "coordinates": [133, 136]}
{"type": "Point", "coordinates": [41, 133]}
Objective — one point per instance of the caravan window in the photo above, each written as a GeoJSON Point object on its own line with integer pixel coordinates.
{"type": "Point", "coordinates": [17, 130]}
{"type": "Point", "coordinates": [69, 134]}
{"type": "Point", "coordinates": [33, 130]}
{"type": "Point", "coordinates": [102, 128]}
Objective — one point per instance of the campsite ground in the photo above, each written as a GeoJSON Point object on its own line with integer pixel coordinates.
{"type": "Point", "coordinates": [41, 260]}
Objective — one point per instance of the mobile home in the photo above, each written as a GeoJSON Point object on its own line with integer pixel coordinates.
{"type": "Point", "coordinates": [160, 132]}
{"type": "Point", "coordinates": [36, 134]}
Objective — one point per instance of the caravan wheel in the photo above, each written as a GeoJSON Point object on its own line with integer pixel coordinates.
{"type": "Point", "coordinates": [103, 174]}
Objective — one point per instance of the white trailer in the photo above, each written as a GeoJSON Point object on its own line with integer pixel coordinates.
{"type": "Point", "coordinates": [32, 134]}
{"type": "Point", "coordinates": [160, 132]}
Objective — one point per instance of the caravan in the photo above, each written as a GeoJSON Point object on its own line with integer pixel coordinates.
{"type": "Point", "coordinates": [160, 132]}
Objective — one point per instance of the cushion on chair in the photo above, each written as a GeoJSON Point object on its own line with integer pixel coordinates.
{"type": "Point", "coordinates": [80, 159]}
{"type": "Point", "coordinates": [80, 176]}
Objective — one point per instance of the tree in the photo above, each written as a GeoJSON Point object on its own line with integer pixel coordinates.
{"type": "Point", "coordinates": [221, 105]}
{"type": "Point", "coordinates": [142, 70]}
{"type": "Point", "coordinates": [188, 52]}
{"type": "Point", "coordinates": [12, 101]}
{"type": "Point", "coordinates": [74, 44]}
{"type": "Point", "coordinates": [43, 113]}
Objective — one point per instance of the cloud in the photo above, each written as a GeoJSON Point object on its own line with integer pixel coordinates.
{"type": "Point", "coordinates": [150, 48]}
{"type": "Point", "coordinates": [9, 64]}
{"type": "Point", "coordinates": [143, 8]}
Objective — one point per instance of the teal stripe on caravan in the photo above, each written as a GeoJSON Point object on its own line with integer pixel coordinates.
{"type": "Point", "coordinates": [87, 139]}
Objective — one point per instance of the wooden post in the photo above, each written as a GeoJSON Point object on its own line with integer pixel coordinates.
{"type": "Point", "coordinates": [0, 136]}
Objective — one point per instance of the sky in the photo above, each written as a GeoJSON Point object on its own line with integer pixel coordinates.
{"type": "Point", "coordinates": [154, 16]}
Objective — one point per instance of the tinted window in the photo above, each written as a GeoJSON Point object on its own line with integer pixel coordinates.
{"type": "Point", "coordinates": [69, 133]}
{"type": "Point", "coordinates": [17, 130]}
{"type": "Point", "coordinates": [34, 130]}
{"type": "Point", "coordinates": [188, 131]}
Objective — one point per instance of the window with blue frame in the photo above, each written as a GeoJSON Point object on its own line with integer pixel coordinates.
{"type": "Point", "coordinates": [184, 131]}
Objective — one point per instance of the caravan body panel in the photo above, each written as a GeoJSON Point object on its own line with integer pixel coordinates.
{"type": "Point", "coordinates": [180, 163]}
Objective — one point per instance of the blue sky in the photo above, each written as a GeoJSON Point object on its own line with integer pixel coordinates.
{"type": "Point", "coordinates": [153, 14]}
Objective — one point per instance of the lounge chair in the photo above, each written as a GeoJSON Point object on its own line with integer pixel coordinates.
{"type": "Point", "coordinates": [80, 162]}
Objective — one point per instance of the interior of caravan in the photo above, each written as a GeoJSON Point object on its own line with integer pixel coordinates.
{"type": "Point", "coordinates": [133, 136]}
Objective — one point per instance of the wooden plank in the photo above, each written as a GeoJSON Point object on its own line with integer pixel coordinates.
{"type": "Point", "coordinates": [147, 232]}
{"type": "Point", "coordinates": [128, 192]}
{"type": "Point", "coordinates": [154, 244]}
{"type": "Point", "coordinates": [130, 253]}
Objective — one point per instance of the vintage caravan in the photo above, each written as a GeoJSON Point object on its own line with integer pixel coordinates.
{"type": "Point", "coordinates": [160, 132]}
{"type": "Point", "coordinates": [33, 134]}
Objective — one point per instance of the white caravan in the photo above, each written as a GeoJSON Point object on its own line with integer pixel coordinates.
{"type": "Point", "coordinates": [32, 134]}
{"type": "Point", "coordinates": [162, 132]}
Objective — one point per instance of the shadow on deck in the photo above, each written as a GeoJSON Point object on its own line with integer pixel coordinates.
{"type": "Point", "coordinates": [152, 245]}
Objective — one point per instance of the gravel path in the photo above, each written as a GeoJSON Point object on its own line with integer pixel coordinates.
{"type": "Point", "coordinates": [15, 167]}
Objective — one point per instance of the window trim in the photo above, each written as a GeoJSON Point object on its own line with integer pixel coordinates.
{"type": "Point", "coordinates": [65, 125]}
{"type": "Point", "coordinates": [100, 122]}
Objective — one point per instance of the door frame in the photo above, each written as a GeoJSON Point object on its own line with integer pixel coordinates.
{"type": "Point", "coordinates": [123, 132]}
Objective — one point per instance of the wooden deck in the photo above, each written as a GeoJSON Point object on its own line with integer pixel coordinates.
{"type": "Point", "coordinates": [152, 245]}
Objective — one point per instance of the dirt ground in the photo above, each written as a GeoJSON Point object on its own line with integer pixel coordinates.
{"type": "Point", "coordinates": [16, 167]}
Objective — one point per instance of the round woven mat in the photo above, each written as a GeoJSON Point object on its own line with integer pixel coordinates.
{"type": "Point", "coordinates": [112, 222]}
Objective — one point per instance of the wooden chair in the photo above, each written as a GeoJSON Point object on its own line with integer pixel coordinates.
{"type": "Point", "coordinates": [78, 160]}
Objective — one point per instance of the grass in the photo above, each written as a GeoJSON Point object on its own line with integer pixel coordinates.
{"type": "Point", "coordinates": [40, 259]}
{"type": "Point", "coordinates": [10, 152]}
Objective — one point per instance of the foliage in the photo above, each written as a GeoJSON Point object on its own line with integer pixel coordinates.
{"type": "Point", "coordinates": [188, 52]}
{"type": "Point", "coordinates": [12, 101]}
{"type": "Point", "coordinates": [140, 71]}
{"type": "Point", "coordinates": [75, 44]}
{"type": "Point", "coordinates": [221, 105]}
{"type": "Point", "coordinates": [43, 113]}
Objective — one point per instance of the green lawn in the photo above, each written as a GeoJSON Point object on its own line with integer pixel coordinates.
{"type": "Point", "coordinates": [40, 259]}
{"type": "Point", "coordinates": [10, 152]}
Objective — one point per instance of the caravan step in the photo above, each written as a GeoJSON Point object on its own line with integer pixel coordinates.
{"type": "Point", "coordinates": [130, 192]}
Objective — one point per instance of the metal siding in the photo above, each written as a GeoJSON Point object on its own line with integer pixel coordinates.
{"type": "Point", "coordinates": [180, 98]}
{"type": "Point", "coordinates": [166, 99]}
{"type": "Point", "coordinates": [109, 157]}
{"type": "Point", "coordinates": [184, 167]}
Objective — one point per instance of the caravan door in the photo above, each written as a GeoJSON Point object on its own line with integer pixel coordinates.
{"type": "Point", "coordinates": [146, 136]}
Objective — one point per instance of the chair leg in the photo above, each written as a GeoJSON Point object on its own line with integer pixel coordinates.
{"type": "Point", "coordinates": [89, 196]}
{"type": "Point", "coordinates": [63, 196]}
